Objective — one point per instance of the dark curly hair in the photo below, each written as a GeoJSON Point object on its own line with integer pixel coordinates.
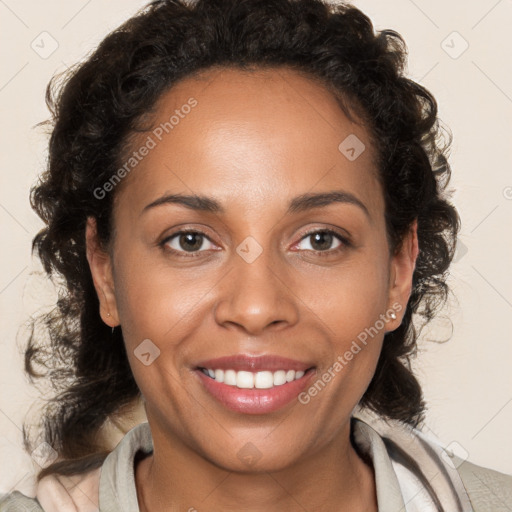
{"type": "Point", "coordinates": [100, 102]}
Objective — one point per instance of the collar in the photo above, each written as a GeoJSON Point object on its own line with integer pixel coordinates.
{"type": "Point", "coordinates": [427, 471]}
{"type": "Point", "coordinates": [117, 479]}
{"type": "Point", "coordinates": [388, 444]}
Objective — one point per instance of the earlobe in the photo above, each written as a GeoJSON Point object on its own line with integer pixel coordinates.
{"type": "Point", "coordinates": [402, 268]}
{"type": "Point", "coordinates": [101, 270]}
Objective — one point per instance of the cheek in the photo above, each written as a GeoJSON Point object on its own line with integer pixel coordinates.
{"type": "Point", "coordinates": [352, 304]}
{"type": "Point", "coordinates": [354, 296]}
{"type": "Point", "coordinates": [355, 342]}
{"type": "Point", "coordinates": [156, 302]}
{"type": "Point", "coordinates": [153, 305]}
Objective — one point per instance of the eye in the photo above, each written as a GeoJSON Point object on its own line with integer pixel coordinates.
{"type": "Point", "coordinates": [321, 240]}
{"type": "Point", "coordinates": [187, 242]}
{"type": "Point", "coordinates": [190, 242]}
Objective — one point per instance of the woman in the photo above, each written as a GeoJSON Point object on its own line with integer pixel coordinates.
{"type": "Point", "coordinates": [245, 201]}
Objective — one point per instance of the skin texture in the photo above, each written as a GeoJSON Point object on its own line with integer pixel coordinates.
{"type": "Point", "coordinates": [254, 141]}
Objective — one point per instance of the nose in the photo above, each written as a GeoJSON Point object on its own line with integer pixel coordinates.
{"type": "Point", "coordinates": [256, 296]}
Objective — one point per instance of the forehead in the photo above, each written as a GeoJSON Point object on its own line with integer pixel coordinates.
{"type": "Point", "coordinates": [249, 136]}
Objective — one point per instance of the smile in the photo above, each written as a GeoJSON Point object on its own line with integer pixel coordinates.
{"type": "Point", "coordinates": [251, 380]}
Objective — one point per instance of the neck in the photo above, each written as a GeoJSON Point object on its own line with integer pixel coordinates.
{"type": "Point", "coordinates": [177, 478]}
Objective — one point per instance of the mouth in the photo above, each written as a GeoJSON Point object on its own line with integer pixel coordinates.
{"type": "Point", "coordinates": [254, 385]}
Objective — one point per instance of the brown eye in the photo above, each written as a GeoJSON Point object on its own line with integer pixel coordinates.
{"type": "Point", "coordinates": [322, 241]}
{"type": "Point", "coordinates": [187, 241]}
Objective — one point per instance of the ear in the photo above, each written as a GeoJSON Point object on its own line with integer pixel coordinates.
{"type": "Point", "coordinates": [402, 268]}
{"type": "Point", "coordinates": [101, 269]}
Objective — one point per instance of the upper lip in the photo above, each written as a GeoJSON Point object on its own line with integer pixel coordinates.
{"type": "Point", "coordinates": [241, 362]}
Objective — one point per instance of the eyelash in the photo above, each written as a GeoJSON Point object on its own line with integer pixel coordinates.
{"type": "Point", "coordinates": [344, 242]}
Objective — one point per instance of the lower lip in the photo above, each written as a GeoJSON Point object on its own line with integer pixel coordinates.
{"type": "Point", "coordinates": [255, 401]}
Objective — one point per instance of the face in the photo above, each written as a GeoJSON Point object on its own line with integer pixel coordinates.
{"type": "Point", "coordinates": [267, 282]}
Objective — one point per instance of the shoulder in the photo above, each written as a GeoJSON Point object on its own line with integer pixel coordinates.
{"type": "Point", "coordinates": [488, 490]}
{"type": "Point", "coordinates": [81, 492]}
{"type": "Point", "coordinates": [78, 493]}
{"type": "Point", "coordinates": [450, 478]}
{"type": "Point", "coordinates": [16, 502]}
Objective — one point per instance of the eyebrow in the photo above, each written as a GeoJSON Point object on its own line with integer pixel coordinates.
{"type": "Point", "coordinates": [298, 204]}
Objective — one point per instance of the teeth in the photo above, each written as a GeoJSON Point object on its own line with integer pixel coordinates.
{"type": "Point", "coordinates": [244, 380]}
{"type": "Point", "coordinates": [229, 377]}
{"type": "Point", "coordinates": [250, 380]}
{"type": "Point", "coordinates": [263, 380]}
{"type": "Point", "coordinates": [279, 378]}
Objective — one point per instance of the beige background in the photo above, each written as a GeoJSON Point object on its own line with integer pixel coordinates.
{"type": "Point", "coordinates": [467, 381]}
